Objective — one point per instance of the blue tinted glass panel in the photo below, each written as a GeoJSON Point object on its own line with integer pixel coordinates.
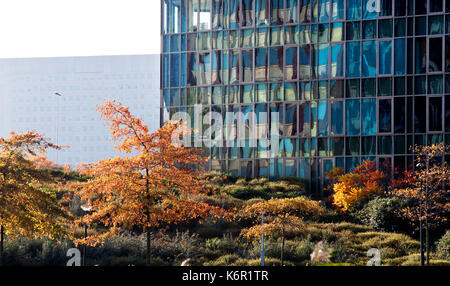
{"type": "Point", "coordinates": [322, 61]}
{"type": "Point", "coordinates": [369, 116]}
{"type": "Point", "coordinates": [305, 62]}
{"type": "Point", "coordinates": [291, 168]}
{"type": "Point", "coordinates": [368, 9]}
{"type": "Point", "coordinates": [305, 169]}
{"type": "Point", "coordinates": [262, 12]}
{"type": "Point", "coordinates": [234, 14]}
{"type": "Point", "coordinates": [386, 7]}
{"type": "Point", "coordinates": [421, 55]}
{"type": "Point", "coordinates": [291, 11]}
{"type": "Point", "coordinates": [386, 57]}
{"type": "Point", "coordinates": [323, 118]}
{"type": "Point", "coordinates": [183, 70]}
{"type": "Point", "coordinates": [166, 70]}
{"type": "Point", "coordinates": [337, 118]}
{"type": "Point", "coordinates": [166, 97]}
{"type": "Point", "coordinates": [353, 117]}
{"type": "Point", "coordinates": [400, 59]}
{"type": "Point", "coordinates": [324, 10]}
{"type": "Point", "coordinates": [351, 163]}
{"type": "Point", "coordinates": [369, 60]}
{"type": "Point", "coordinates": [385, 116]}
{"type": "Point", "coordinates": [337, 60]}
{"type": "Point", "coordinates": [353, 9]}
{"type": "Point", "coordinates": [338, 10]}
{"type": "Point", "coordinates": [175, 70]}
{"type": "Point", "coordinates": [353, 59]}
{"type": "Point", "coordinates": [166, 40]}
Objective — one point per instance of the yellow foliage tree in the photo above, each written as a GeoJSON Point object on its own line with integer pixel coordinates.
{"type": "Point", "coordinates": [280, 215]}
{"type": "Point", "coordinates": [29, 205]}
{"type": "Point", "coordinates": [360, 184]}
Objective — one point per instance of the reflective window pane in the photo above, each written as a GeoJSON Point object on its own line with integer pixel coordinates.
{"type": "Point", "coordinates": [369, 116]}
{"type": "Point", "coordinates": [353, 124]}
{"type": "Point", "coordinates": [385, 116]}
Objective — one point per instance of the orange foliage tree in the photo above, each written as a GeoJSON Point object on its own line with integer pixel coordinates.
{"type": "Point", "coordinates": [281, 215]}
{"type": "Point", "coordinates": [28, 190]}
{"type": "Point", "coordinates": [155, 185]}
{"type": "Point", "coordinates": [358, 185]}
{"type": "Point", "coordinates": [428, 189]}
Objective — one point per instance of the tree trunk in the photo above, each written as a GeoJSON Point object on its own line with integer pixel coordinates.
{"type": "Point", "coordinates": [148, 246]}
{"type": "Point", "coordinates": [422, 256]}
{"type": "Point", "coordinates": [282, 246]}
{"type": "Point", "coordinates": [427, 241]}
{"type": "Point", "coordinates": [2, 236]}
{"type": "Point", "coordinates": [147, 213]}
{"type": "Point", "coordinates": [84, 246]}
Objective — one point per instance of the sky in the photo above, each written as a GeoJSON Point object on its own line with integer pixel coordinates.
{"type": "Point", "coordinates": [61, 28]}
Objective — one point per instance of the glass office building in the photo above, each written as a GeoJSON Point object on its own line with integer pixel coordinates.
{"type": "Point", "coordinates": [351, 80]}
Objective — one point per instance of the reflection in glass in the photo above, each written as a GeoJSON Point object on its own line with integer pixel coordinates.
{"type": "Point", "coordinates": [385, 57]}
{"type": "Point", "coordinates": [385, 116]}
{"type": "Point", "coordinates": [435, 114]}
{"type": "Point", "coordinates": [435, 58]}
{"type": "Point", "coordinates": [261, 59]}
{"type": "Point", "coordinates": [369, 59]}
{"type": "Point", "coordinates": [353, 59]}
{"type": "Point", "coordinates": [353, 124]}
{"type": "Point", "coordinates": [337, 117]}
{"type": "Point", "coordinates": [369, 116]}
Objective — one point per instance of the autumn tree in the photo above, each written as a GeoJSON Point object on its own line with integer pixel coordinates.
{"type": "Point", "coordinates": [358, 185]}
{"type": "Point", "coordinates": [427, 189]}
{"type": "Point", "coordinates": [280, 215]}
{"type": "Point", "coordinates": [28, 191]}
{"type": "Point", "coordinates": [156, 184]}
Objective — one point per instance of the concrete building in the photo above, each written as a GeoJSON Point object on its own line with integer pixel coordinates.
{"type": "Point", "coordinates": [28, 99]}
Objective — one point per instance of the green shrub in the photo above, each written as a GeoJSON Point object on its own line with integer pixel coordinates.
{"type": "Point", "coordinates": [339, 253]}
{"type": "Point", "coordinates": [379, 213]}
{"type": "Point", "coordinates": [247, 192]}
{"type": "Point", "coordinates": [244, 189]}
{"type": "Point", "coordinates": [254, 201]}
{"type": "Point", "coordinates": [394, 244]}
{"type": "Point", "coordinates": [218, 228]}
{"type": "Point", "coordinates": [225, 260]}
{"type": "Point", "coordinates": [297, 252]}
{"type": "Point", "coordinates": [304, 250]}
{"type": "Point", "coordinates": [219, 179]}
{"type": "Point", "coordinates": [443, 246]}
{"type": "Point", "coordinates": [334, 264]}
{"type": "Point", "coordinates": [343, 226]}
{"type": "Point", "coordinates": [227, 244]}
{"type": "Point", "coordinates": [223, 200]}
{"type": "Point", "coordinates": [36, 252]}
{"type": "Point", "coordinates": [235, 260]}
{"type": "Point", "coordinates": [268, 262]}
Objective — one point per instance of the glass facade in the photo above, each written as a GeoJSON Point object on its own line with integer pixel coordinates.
{"type": "Point", "coordinates": [349, 83]}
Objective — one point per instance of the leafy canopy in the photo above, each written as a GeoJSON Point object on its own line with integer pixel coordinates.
{"type": "Point", "coordinates": [158, 183]}
{"type": "Point", "coordinates": [280, 214]}
{"type": "Point", "coordinates": [427, 187]}
{"type": "Point", "coordinates": [359, 185]}
{"type": "Point", "coordinates": [28, 190]}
